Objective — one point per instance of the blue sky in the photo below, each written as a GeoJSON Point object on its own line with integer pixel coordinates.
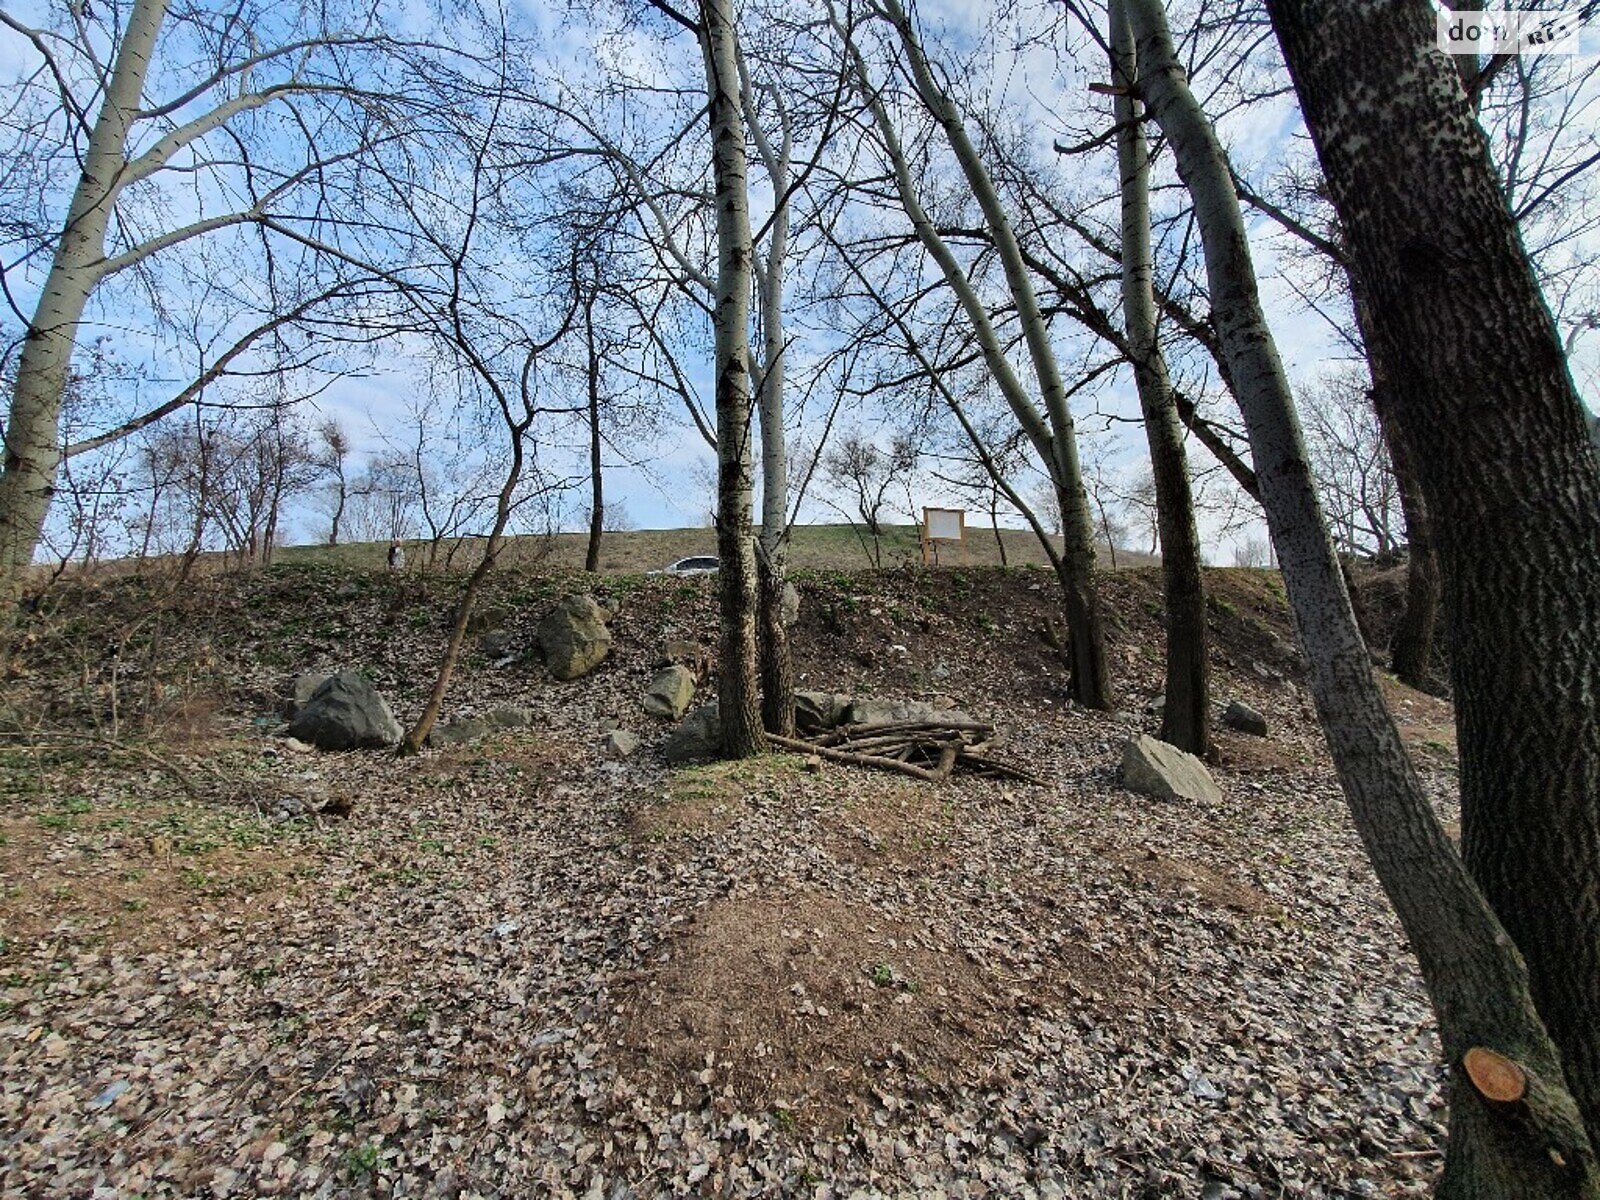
{"type": "Point", "coordinates": [1042, 87]}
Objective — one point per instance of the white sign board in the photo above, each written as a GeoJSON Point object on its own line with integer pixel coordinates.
{"type": "Point", "coordinates": [944, 524]}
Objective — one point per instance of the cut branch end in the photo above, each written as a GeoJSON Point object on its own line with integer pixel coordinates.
{"type": "Point", "coordinates": [1497, 1079]}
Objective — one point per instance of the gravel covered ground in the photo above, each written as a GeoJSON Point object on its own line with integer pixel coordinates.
{"type": "Point", "coordinates": [519, 969]}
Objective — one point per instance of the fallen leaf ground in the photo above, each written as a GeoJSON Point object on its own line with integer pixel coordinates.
{"type": "Point", "coordinates": [520, 969]}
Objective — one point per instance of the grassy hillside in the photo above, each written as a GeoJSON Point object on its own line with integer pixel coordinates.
{"type": "Point", "coordinates": [821, 547]}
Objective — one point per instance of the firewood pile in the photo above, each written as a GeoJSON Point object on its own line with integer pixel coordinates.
{"type": "Point", "coordinates": [931, 749]}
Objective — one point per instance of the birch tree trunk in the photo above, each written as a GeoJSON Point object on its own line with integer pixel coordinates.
{"type": "Point", "coordinates": [1537, 1146]}
{"type": "Point", "coordinates": [1186, 716]}
{"type": "Point", "coordinates": [32, 434]}
{"type": "Point", "coordinates": [737, 694]}
{"type": "Point", "coordinates": [777, 664]}
{"type": "Point", "coordinates": [1483, 394]}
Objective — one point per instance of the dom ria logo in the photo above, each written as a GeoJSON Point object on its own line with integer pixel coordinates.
{"type": "Point", "coordinates": [1510, 31]}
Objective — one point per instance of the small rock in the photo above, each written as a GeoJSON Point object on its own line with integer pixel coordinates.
{"type": "Point", "coordinates": [458, 732]}
{"type": "Point", "coordinates": [670, 693]}
{"type": "Point", "coordinates": [510, 718]}
{"type": "Point", "coordinates": [789, 605]}
{"type": "Point", "coordinates": [607, 724]}
{"type": "Point", "coordinates": [296, 746]}
{"type": "Point", "coordinates": [814, 764]}
{"type": "Point", "coordinates": [1156, 768]}
{"type": "Point", "coordinates": [1239, 715]}
{"type": "Point", "coordinates": [865, 710]}
{"type": "Point", "coordinates": [498, 644]}
{"type": "Point", "coordinates": [698, 736]}
{"type": "Point", "coordinates": [619, 743]}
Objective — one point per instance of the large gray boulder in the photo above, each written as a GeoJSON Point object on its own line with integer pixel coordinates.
{"type": "Point", "coordinates": [864, 710]}
{"type": "Point", "coordinates": [698, 737]}
{"type": "Point", "coordinates": [301, 689]}
{"type": "Point", "coordinates": [670, 692]}
{"type": "Point", "coordinates": [346, 713]}
{"type": "Point", "coordinates": [574, 638]}
{"type": "Point", "coordinates": [1159, 769]}
{"type": "Point", "coordinates": [817, 712]}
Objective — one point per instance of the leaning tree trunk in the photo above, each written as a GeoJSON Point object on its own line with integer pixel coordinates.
{"type": "Point", "coordinates": [1411, 647]}
{"type": "Point", "coordinates": [1186, 716]}
{"type": "Point", "coordinates": [505, 504]}
{"type": "Point", "coordinates": [1090, 675]}
{"type": "Point", "coordinates": [737, 695]}
{"type": "Point", "coordinates": [1483, 395]}
{"type": "Point", "coordinates": [32, 432]}
{"type": "Point", "coordinates": [1525, 1139]}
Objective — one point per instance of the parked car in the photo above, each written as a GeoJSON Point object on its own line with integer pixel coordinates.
{"type": "Point", "coordinates": [703, 564]}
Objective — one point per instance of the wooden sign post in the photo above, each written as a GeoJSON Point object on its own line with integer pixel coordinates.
{"type": "Point", "coordinates": [943, 525]}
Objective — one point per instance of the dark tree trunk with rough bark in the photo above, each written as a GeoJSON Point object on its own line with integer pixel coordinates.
{"type": "Point", "coordinates": [597, 495]}
{"type": "Point", "coordinates": [1411, 646]}
{"type": "Point", "coordinates": [1482, 394]}
{"type": "Point", "coordinates": [738, 698]}
{"type": "Point", "coordinates": [1536, 1146]}
{"type": "Point", "coordinates": [1186, 716]}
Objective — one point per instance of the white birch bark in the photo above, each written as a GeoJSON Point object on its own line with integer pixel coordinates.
{"type": "Point", "coordinates": [737, 693]}
{"type": "Point", "coordinates": [33, 440]}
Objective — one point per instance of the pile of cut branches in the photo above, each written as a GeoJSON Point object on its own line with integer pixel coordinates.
{"type": "Point", "coordinates": [926, 749]}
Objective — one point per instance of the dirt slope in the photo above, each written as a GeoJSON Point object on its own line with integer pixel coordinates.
{"type": "Point", "coordinates": [520, 969]}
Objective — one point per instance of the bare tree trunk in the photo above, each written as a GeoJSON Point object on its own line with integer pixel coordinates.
{"type": "Point", "coordinates": [1483, 395]}
{"type": "Point", "coordinates": [32, 433]}
{"type": "Point", "coordinates": [1053, 436]}
{"type": "Point", "coordinates": [777, 666]}
{"type": "Point", "coordinates": [1411, 647]}
{"type": "Point", "coordinates": [1186, 716]}
{"type": "Point", "coordinates": [737, 693]}
{"type": "Point", "coordinates": [1479, 985]}
{"type": "Point", "coordinates": [417, 735]}
{"type": "Point", "coordinates": [597, 498]}
{"type": "Point", "coordinates": [338, 510]}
